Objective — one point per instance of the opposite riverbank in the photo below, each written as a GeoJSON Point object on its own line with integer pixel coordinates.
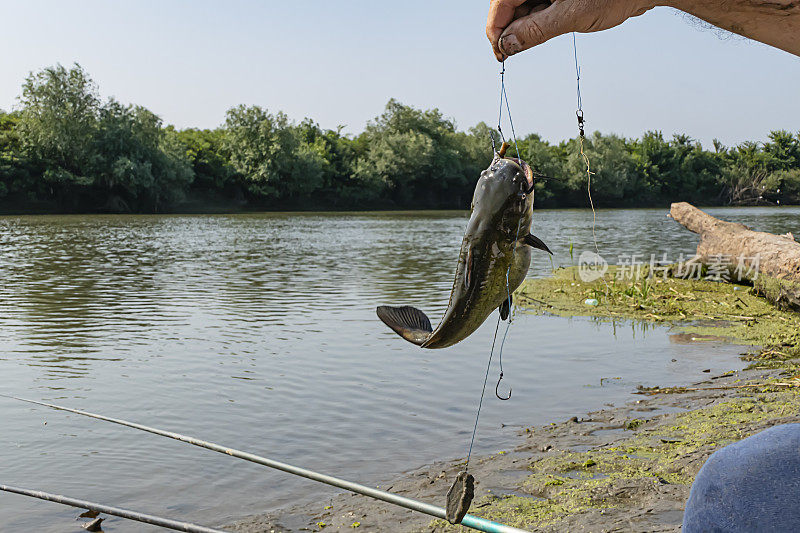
{"type": "Point", "coordinates": [627, 468]}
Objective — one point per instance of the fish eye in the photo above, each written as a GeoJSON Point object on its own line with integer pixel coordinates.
{"type": "Point", "coordinates": [523, 196]}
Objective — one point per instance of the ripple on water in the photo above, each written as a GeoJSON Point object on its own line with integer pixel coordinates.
{"type": "Point", "coordinates": [258, 331]}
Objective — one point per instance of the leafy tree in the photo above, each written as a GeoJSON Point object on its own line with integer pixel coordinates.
{"type": "Point", "coordinates": [786, 186]}
{"type": "Point", "coordinates": [66, 149]}
{"type": "Point", "coordinates": [14, 168]}
{"type": "Point", "coordinates": [57, 124]}
{"type": "Point", "coordinates": [341, 187]}
{"type": "Point", "coordinates": [93, 155]}
{"type": "Point", "coordinates": [612, 165]}
{"type": "Point", "coordinates": [416, 155]}
{"type": "Point", "coordinates": [783, 151]}
{"type": "Point", "coordinates": [137, 161]}
{"type": "Point", "coordinates": [210, 160]}
{"type": "Point", "coordinates": [554, 188]}
{"type": "Point", "coordinates": [271, 155]}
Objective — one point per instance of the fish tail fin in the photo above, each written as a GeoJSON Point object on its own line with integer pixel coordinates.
{"type": "Point", "coordinates": [408, 322]}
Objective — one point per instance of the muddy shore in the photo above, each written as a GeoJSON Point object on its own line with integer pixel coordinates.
{"type": "Point", "coordinates": [625, 468]}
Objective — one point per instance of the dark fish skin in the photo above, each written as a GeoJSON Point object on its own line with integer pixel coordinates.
{"type": "Point", "coordinates": [502, 211]}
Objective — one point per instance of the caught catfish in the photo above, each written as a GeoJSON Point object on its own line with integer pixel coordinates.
{"type": "Point", "coordinates": [494, 259]}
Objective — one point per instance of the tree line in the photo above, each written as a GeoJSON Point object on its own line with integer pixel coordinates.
{"type": "Point", "coordinates": [64, 149]}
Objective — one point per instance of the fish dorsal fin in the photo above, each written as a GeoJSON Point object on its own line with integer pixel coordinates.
{"type": "Point", "coordinates": [536, 242]}
{"type": "Point", "coordinates": [408, 322]}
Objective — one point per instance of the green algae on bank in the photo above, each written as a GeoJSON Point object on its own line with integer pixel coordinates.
{"type": "Point", "coordinates": [701, 307]}
{"type": "Point", "coordinates": [625, 468]}
{"type": "Point", "coordinates": [662, 455]}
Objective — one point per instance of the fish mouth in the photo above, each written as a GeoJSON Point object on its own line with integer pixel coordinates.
{"type": "Point", "coordinates": [507, 182]}
{"type": "Point", "coordinates": [526, 169]}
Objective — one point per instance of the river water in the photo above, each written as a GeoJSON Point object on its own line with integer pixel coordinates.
{"type": "Point", "coordinates": [258, 331]}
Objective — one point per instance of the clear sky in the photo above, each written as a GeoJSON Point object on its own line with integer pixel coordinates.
{"type": "Point", "coordinates": [340, 61]}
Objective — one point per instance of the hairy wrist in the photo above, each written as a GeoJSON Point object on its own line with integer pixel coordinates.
{"type": "Point", "coordinates": [773, 22]}
{"type": "Point", "coordinates": [722, 6]}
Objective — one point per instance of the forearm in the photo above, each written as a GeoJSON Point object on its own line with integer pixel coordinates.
{"type": "Point", "coordinates": [773, 22]}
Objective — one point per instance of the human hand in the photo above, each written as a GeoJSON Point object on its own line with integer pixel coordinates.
{"type": "Point", "coordinates": [516, 25]}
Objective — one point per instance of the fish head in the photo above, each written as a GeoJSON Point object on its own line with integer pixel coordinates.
{"type": "Point", "coordinates": [504, 195]}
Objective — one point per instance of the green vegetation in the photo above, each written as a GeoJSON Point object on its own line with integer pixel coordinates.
{"type": "Point", "coordinates": [64, 149]}
{"type": "Point", "coordinates": [704, 308]}
{"type": "Point", "coordinates": [668, 449]}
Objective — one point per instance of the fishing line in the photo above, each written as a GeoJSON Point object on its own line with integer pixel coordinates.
{"type": "Point", "coordinates": [504, 96]}
{"type": "Point", "coordinates": [582, 137]}
{"type": "Point", "coordinates": [510, 319]}
{"type": "Point", "coordinates": [491, 353]}
{"type": "Point", "coordinates": [505, 333]}
{"type": "Point", "coordinates": [581, 143]}
{"type": "Point", "coordinates": [483, 392]}
{"type": "Point", "coordinates": [503, 101]}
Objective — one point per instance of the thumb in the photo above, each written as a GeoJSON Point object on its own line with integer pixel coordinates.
{"type": "Point", "coordinates": [535, 29]}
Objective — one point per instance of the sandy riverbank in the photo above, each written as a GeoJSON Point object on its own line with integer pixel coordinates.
{"type": "Point", "coordinates": [627, 468]}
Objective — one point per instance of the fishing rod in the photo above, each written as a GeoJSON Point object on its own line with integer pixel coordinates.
{"type": "Point", "coordinates": [116, 511]}
{"type": "Point", "coordinates": [470, 521]}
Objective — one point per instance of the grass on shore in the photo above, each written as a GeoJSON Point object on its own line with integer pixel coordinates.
{"type": "Point", "coordinates": [633, 470]}
{"type": "Point", "coordinates": [668, 450]}
{"type": "Point", "coordinates": [701, 307]}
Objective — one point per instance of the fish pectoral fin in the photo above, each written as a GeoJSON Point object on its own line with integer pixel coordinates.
{"type": "Point", "coordinates": [408, 322]}
{"type": "Point", "coordinates": [505, 308]}
{"type": "Point", "coordinates": [536, 242]}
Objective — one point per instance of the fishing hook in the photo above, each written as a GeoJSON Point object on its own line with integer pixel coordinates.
{"type": "Point", "coordinates": [497, 391]}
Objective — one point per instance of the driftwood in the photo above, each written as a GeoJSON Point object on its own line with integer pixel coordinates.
{"type": "Point", "coordinates": [733, 251]}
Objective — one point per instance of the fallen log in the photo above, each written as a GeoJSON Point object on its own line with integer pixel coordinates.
{"type": "Point", "coordinates": [732, 251]}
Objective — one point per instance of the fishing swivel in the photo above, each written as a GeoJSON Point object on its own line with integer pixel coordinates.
{"type": "Point", "coordinates": [497, 389]}
{"type": "Point", "coordinates": [579, 114]}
